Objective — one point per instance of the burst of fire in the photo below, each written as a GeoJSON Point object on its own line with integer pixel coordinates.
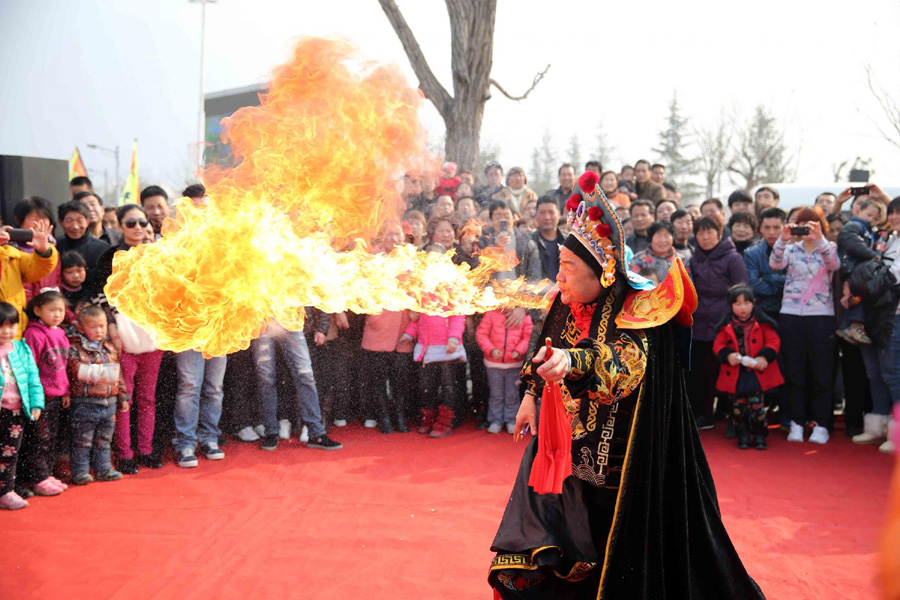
{"type": "Point", "coordinates": [318, 164]}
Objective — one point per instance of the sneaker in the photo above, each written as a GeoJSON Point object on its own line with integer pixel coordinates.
{"type": "Point", "coordinates": [212, 451]}
{"type": "Point", "coordinates": [857, 333]}
{"type": "Point", "coordinates": [796, 434]}
{"type": "Point", "coordinates": [127, 466]}
{"type": "Point", "coordinates": [511, 428]}
{"type": "Point", "coordinates": [260, 430]}
{"type": "Point", "coordinates": [844, 334]}
{"type": "Point", "coordinates": [284, 429]}
{"type": "Point", "coordinates": [340, 422]}
{"type": "Point", "coordinates": [12, 501]}
{"type": "Point", "coordinates": [47, 487]}
{"type": "Point", "coordinates": [370, 424]}
{"type": "Point", "coordinates": [109, 475]}
{"type": "Point", "coordinates": [247, 434]}
{"type": "Point", "coordinates": [304, 434]}
{"type": "Point", "coordinates": [495, 428]}
{"type": "Point", "coordinates": [151, 461]}
{"type": "Point", "coordinates": [270, 442]}
{"type": "Point", "coordinates": [82, 478]}
{"type": "Point", "coordinates": [187, 458]}
{"type": "Point", "coordinates": [704, 422]}
{"type": "Point", "coordinates": [59, 483]}
{"type": "Point", "coordinates": [819, 435]}
{"type": "Point", "coordinates": [323, 442]}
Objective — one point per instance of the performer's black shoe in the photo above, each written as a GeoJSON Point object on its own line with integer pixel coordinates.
{"type": "Point", "coordinates": [704, 422]}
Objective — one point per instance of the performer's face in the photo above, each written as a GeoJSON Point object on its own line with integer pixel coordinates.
{"type": "Point", "coordinates": [577, 282]}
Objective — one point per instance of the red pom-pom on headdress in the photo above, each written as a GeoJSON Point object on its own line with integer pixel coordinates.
{"type": "Point", "coordinates": [603, 229]}
{"type": "Point", "coordinates": [572, 204]}
{"type": "Point", "coordinates": [588, 181]}
{"type": "Point", "coordinates": [594, 213]}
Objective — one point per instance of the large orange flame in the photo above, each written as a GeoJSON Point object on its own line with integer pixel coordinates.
{"type": "Point", "coordinates": [318, 165]}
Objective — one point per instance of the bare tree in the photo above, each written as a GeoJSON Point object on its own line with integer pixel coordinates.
{"type": "Point", "coordinates": [858, 164]}
{"type": "Point", "coordinates": [575, 152]}
{"type": "Point", "coordinates": [472, 51]}
{"type": "Point", "coordinates": [603, 149]}
{"type": "Point", "coordinates": [714, 144]}
{"type": "Point", "coordinates": [889, 107]}
{"type": "Point", "coordinates": [837, 169]}
{"type": "Point", "coordinates": [760, 154]}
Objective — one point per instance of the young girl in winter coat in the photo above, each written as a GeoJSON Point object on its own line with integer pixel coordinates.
{"type": "Point", "coordinates": [504, 348]}
{"type": "Point", "coordinates": [21, 402]}
{"type": "Point", "coordinates": [747, 346]}
{"type": "Point", "coordinates": [50, 346]}
{"type": "Point", "coordinates": [439, 347]}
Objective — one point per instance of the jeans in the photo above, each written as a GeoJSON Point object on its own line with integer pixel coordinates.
{"type": "Point", "coordinates": [293, 343]}
{"type": "Point", "coordinates": [883, 368]}
{"type": "Point", "coordinates": [198, 402]}
{"type": "Point", "coordinates": [140, 372]}
{"type": "Point", "coordinates": [504, 400]}
{"type": "Point", "coordinates": [92, 434]}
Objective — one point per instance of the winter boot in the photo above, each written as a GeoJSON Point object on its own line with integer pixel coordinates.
{"type": "Point", "coordinates": [384, 413]}
{"type": "Point", "coordinates": [889, 446]}
{"type": "Point", "coordinates": [428, 415]}
{"type": "Point", "coordinates": [400, 417]}
{"type": "Point", "coordinates": [743, 434]}
{"type": "Point", "coordinates": [874, 427]}
{"type": "Point", "coordinates": [760, 432]}
{"type": "Point", "coordinates": [444, 424]}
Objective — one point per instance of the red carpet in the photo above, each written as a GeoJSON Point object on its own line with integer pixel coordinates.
{"type": "Point", "coordinates": [401, 516]}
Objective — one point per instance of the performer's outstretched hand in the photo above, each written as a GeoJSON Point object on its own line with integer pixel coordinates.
{"type": "Point", "coordinates": [527, 415]}
{"type": "Point", "coordinates": [556, 365]}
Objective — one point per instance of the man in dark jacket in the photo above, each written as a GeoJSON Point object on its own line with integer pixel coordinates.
{"type": "Point", "coordinates": [645, 187]}
{"type": "Point", "coordinates": [642, 213]}
{"type": "Point", "coordinates": [502, 233]}
{"type": "Point", "coordinates": [548, 238]}
{"type": "Point", "coordinates": [561, 195]}
{"type": "Point", "coordinates": [766, 283]}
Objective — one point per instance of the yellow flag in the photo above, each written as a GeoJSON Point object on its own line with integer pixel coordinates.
{"type": "Point", "coordinates": [131, 193]}
{"type": "Point", "coordinates": [76, 166]}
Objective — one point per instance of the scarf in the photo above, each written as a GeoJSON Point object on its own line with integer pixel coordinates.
{"type": "Point", "coordinates": [583, 313]}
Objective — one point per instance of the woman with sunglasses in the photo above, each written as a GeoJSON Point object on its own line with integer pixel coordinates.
{"type": "Point", "coordinates": [139, 369]}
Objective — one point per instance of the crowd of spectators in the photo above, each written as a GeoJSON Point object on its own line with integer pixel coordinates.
{"type": "Point", "coordinates": [821, 282]}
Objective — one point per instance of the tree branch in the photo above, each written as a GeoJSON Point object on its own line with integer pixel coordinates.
{"type": "Point", "coordinates": [537, 80]}
{"type": "Point", "coordinates": [428, 83]}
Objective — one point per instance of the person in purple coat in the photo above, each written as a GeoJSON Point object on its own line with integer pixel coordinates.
{"type": "Point", "coordinates": [715, 267]}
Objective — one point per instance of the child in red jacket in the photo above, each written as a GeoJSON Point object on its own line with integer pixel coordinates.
{"type": "Point", "coordinates": [747, 345]}
{"type": "Point", "coordinates": [504, 348]}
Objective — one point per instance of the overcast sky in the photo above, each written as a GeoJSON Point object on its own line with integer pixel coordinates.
{"type": "Point", "coordinates": [74, 72]}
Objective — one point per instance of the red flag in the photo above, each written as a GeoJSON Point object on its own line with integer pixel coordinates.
{"type": "Point", "coordinates": [553, 462]}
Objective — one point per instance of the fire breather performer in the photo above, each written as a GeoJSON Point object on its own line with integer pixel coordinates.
{"type": "Point", "coordinates": [618, 502]}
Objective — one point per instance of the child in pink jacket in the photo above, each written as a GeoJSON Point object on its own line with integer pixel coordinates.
{"type": "Point", "coordinates": [439, 346]}
{"type": "Point", "coordinates": [504, 348]}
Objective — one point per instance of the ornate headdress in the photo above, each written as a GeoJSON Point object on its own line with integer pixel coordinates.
{"type": "Point", "coordinates": [596, 235]}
